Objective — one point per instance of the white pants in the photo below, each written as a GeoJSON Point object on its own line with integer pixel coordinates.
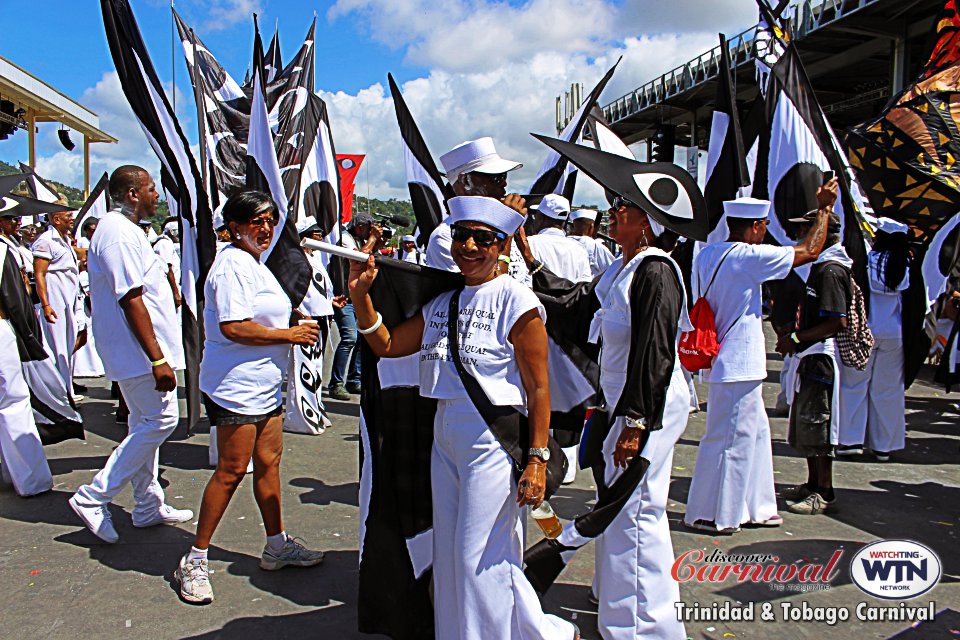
{"type": "Point", "coordinates": [60, 336]}
{"type": "Point", "coordinates": [634, 555]}
{"type": "Point", "coordinates": [872, 410]}
{"type": "Point", "coordinates": [733, 476]}
{"type": "Point", "coordinates": [153, 417]}
{"type": "Point", "coordinates": [480, 591]}
{"type": "Point", "coordinates": [21, 453]}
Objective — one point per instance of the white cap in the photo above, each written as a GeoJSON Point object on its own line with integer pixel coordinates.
{"type": "Point", "coordinates": [488, 211]}
{"type": "Point", "coordinates": [475, 155]}
{"type": "Point", "coordinates": [579, 214]}
{"type": "Point", "coordinates": [891, 226]}
{"type": "Point", "coordinates": [553, 206]}
{"type": "Point", "coordinates": [747, 208]}
{"type": "Point", "coordinates": [170, 227]}
{"type": "Point", "coordinates": [305, 223]}
{"type": "Point", "coordinates": [145, 222]}
{"type": "Point", "coordinates": [408, 238]}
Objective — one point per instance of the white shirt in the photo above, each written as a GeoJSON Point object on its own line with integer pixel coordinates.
{"type": "Point", "coordinates": [736, 302]}
{"type": "Point", "coordinates": [563, 256]}
{"type": "Point", "coordinates": [83, 243]}
{"type": "Point", "coordinates": [488, 313]}
{"type": "Point", "coordinates": [438, 249]}
{"type": "Point", "coordinates": [51, 246]}
{"type": "Point", "coordinates": [121, 259]}
{"type": "Point", "coordinates": [885, 306]}
{"type": "Point", "coordinates": [600, 257]}
{"type": "Point", "coordinates": [242, 378]}
{"type": "Point", "coordinates": [166, 248]}
{"type": "Point", "coordinates": [316, 302]}
{"type": "Point", "coordinates": [412, 256]}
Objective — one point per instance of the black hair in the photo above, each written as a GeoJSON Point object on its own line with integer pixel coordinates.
{"type": "Point", "coordinates": [667, 240]}
{"type": "Point", "coordinates": [124, 178]}
{"type": "Point", "coordinates": [739, 226]}
{"type": "Point", "coordinates": [244, 206]}
{"type": "Point", "coordinates": [894, 251]}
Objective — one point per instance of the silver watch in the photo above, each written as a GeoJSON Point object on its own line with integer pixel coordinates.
{"type": "Point", "coordinates": [542, 453]}
{"type": "Point", "coordinates": [635, 423]}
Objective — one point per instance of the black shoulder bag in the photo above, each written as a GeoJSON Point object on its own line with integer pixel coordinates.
{"type": "Point", "coordinates": [508, 425]}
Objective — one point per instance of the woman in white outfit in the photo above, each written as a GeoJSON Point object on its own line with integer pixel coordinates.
{"type": "Point", "coordinates": [246, 351]}
{"type": "Point", "coordinates": [480, 591]}
{"type": "Point", "coordinates": [872, 411]}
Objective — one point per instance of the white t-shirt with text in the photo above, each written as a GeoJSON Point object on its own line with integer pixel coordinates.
{"type": "Point", "coordinates": [488, 313]}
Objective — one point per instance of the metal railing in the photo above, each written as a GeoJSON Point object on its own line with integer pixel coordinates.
{"type": "Point", "coordinates": [802, 19]}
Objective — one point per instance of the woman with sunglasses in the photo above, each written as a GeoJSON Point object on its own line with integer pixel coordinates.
{"type": "Point", "coordinates": [247, 348]}
{"type": "Point", "coordinates": [479, 588]}
{"type": "Point", "coordinates": [635, 311]}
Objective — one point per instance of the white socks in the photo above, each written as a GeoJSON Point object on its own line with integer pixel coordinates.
{"type": "Point", "coordinates": [275, 543]}
{"type": "Point", "coordinates": [196, 554]}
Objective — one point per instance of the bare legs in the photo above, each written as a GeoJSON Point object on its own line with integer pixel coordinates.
{"type": "Point", "coordinates": [236, 444]}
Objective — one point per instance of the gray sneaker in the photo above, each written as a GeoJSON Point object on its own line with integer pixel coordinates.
{"type": "Point", "coordinates": [813, 505]}
{"type": "Point", "coordinates": [194, 579]}
{"type": "Point", "coordinates": [292, 553]}
{"type": "Point", "coordinates": [339, 392]}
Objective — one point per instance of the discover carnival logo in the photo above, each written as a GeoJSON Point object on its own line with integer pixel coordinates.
{"type": "Point", "coordinates": [895, 569]}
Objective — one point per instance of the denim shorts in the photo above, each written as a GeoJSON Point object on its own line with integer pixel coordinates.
{"type": "Point", "coordinates": [223, 417]}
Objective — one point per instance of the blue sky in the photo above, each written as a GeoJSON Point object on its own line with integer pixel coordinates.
{"type": "Point", "coordinates": [467, 67]}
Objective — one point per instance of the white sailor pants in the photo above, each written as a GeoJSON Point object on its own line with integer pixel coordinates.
{"type": "Point", "coordinates": [733, 476]}
{"type": "Point", "coordinates": [872, 402]}
{"type": "Point", "coordinates": [21, 453]}
{"type": "Point", "coordinates": [480, 591]}
{"type": "Point", "coordinates": [153, 417]}
{"type": "Point", "coordinates": [60, 336]}
{"type": "Point", "coordinates": [634, 555]}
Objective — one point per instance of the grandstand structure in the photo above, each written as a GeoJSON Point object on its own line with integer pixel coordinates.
{"type": "Point", "coordinates": [858, 54]}
{"type": "Point", "coordinates": [26, 100]}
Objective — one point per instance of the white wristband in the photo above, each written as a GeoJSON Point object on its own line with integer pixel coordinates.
{"type": "Point", "coordinates": [376, 325]}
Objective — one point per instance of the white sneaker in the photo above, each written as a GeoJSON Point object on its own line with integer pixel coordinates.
{"type": "Point", "coordinates": [164, 515]}
{"type": "Point", "coordinates": [292, 553]}
{"type": "Point", "coordinates": [194, 579]}
{"type": "Point", "coordinates": [97, 519]}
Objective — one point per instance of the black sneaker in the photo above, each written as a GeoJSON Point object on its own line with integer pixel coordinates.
{"type": "Point", "coordinates": [353, 387]}
{"type": "Point", "coordinates": [850, 450]}
{"type": "Point", "coordinates": [79, 388]}
{"type": "Point", "coordinates": [882, 456]}
{"type": "Point", "coordinates": [339, 392]}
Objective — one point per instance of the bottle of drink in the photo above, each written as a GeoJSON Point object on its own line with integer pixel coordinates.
{"type": "Point", "coordinates": [547, 520]}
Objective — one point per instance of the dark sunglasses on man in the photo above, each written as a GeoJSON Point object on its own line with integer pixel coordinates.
{"type": "Point", "coordinates": [481, 237]}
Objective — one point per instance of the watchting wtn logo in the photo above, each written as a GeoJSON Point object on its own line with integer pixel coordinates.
{"type": "Point", "coordinates": [895, 569]}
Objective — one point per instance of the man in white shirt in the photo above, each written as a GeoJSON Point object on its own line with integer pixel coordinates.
{"type": "Point", "coordinates": [409, 251]}
{"type": "Point", "coordinates": [10, 222]}
{"type": "Point", "coordinates": [473, 168]}
{"type": "Point", "coordinates": [134, 313]}
{"type": "Point", "coordinates": [564, 256]}
{"type": "Point", "coordinates": [58, 283]}
{"type": "Point", "coordinates": [733, 476]}
{"type": "Point", "coordinates": [582, 227]}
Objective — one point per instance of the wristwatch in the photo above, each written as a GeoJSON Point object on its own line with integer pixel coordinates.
{"type": "Point", "coordinates": [635, 423]}
{"type": "Point", "coordinates": [542, 453]}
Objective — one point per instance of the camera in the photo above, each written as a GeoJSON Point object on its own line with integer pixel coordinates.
{"type": "Point", "coordinates": [387, 233]}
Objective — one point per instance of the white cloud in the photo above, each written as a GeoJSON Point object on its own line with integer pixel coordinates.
{"type": "Point", "coordinates": [224, 14]}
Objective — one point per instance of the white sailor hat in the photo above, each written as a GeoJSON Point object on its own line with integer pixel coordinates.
{"type": "Point", "coordinates": [747, 208]}
{"type": "Point", "coordinates": [408, 238]}
{"type": "Point", "coordinates": [475, 155]}
{"type": "Point", "coordinates": [488, 211]}
{"type": "Point", "coordinates": [891, 226]}
{"type": "Point", "coordinates": [307, 224]}
{"type": "Point", "coordinates": [145, 222]}
{"type": "Point", "coordinates": [553, 206]}
{"type": "Point", "coordinates": [579, 214]}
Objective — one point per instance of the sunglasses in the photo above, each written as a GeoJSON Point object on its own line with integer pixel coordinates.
{"type": "Point", "coordinates": [481, 237]}
{"type": "Point", "coordinates": [620, 201]}
{"type": "Point", "coordinates": [263, 221]}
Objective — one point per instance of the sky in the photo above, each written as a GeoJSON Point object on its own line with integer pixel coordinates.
{"type": "Point", "coordinates": [467, 68]}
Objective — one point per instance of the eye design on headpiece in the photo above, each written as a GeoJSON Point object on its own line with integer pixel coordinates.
{"type": "Point", "coordinates": [666, 193]}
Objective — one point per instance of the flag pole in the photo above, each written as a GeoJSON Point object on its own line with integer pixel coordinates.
{"type": "Point", "coordinates": [173, 57]}
{"type": "Point", "coordinates": [337, 250]}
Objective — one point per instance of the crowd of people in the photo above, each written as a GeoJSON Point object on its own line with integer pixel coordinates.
{"type": "Point", "coordinates": [627, 287]}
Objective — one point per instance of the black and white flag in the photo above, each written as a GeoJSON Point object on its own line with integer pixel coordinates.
{"type": "Point", "coordinates": [428, 190]}
{"type": "Point", "coordinates": [142, 88]}
{"type": "Point", "coordinates": [284, 257]}
{"type": "Point", "coordinates": [727, 169]}
{"type": "Point", "coordinates": [97, 204]}
{"type": "Point", "coordinates": [555, 175]}
{"type": "Point", "coordinates": [38, 187]}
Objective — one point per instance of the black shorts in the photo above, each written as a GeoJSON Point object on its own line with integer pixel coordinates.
{"type": "Point", "coordinates": [812, 409]}
{"type": "Point", "coordinates": [224, 417]}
